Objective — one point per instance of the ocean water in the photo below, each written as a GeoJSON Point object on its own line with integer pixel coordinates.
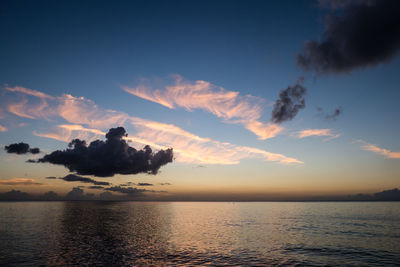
{"type": "Point", "coordinates": [200, 233]}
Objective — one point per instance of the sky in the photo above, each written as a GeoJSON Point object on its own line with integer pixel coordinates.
{"type": "Point", "coordinates": [245, 100]}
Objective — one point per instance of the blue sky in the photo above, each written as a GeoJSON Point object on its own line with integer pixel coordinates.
{"type": "Point", "coordinates": [93, 49]}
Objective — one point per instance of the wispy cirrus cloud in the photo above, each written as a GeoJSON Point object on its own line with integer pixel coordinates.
{"type": "Point", "coordinates": [87, 121]}
{"type": "Point", "coordinates": [381, 151]}
{"type": "Point", "coordinates": [20, 181]}
{"type": "Point", "coordinates": [228, 105]}
{"type": "Point", "coordinates": [317, 132]}
{"type": "Point", "coordinates": [3, 128]}
{"type": "Point", "coordinates": [77, 110]}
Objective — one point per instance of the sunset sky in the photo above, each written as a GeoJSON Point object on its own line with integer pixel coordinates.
{"type": "Point", "coordinates": [204, 78]}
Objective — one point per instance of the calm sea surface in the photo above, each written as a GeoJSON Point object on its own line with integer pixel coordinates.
{"type": "Point", "coordinates": [200, 233]}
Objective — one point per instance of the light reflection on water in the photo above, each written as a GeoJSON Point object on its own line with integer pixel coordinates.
{"type": "Point", "coordinates": [199, 233]}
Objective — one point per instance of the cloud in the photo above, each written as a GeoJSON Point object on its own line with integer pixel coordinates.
{"type": "Point", "coordinates": [75, 194]}
{"type": "Point", "coordinates": [317, 132]}
{"type": "Point", "coordinates": [20, 181]}
{"type": "Point", "coordinates": [3, 128]}
{"type": "Point", "coordinates": [50, 195]}
{"type": "Point", "coordinates": [77, 178]}
{"type": "Point", "coordinates": [77, 110]}
{"type": "Point", "coordinates": [96, 187]}
{"type": "Point", "coordinates": [388, 195]}
{"type": "Point", "coordinates": [51, 177]}
{"type": "Point", "coordinates": [228, 105]}
{"type": "Point", "coordinates": [165, 184]}
{"type": "Point", "coordinates": [21, 148]}
{"type": "Point", "coordinates": [126, 190]}
{"type": "Point", "coordinates": [188, 148]}
{"type": "Point", "coordinates": [290, 101]}
{"type": "Point", "coordinates": [114, 156]}
{"type": "Point", "coordinates": [144, 184]}
{"type": "Point", "coordinates": [191, 148]}
{"type": "Point", "coordinates": [15, 195]}
{"type": "Point", "coordinates": [336, 113]}
{"type": "Point", "coordinates": [384, 152]}
{"type": "Point", "coordinates": [68, 132]}
{"type": "Point", "coordinates": [362, 34]}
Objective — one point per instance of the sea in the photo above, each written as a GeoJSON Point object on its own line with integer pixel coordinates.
{"type": "Point", "coordinates": [199, 233]}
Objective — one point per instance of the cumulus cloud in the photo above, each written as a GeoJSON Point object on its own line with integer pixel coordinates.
{"type": "Point", "coordinates": [20, 181]}
{"type": "Point", "coordinates": [77, 178]}
{"type": "Point", "coordinates": [21, 148]}
{"type": "Point", "coordinates": [336, 113]}
{"type": "Point", "coordinates": [290, 101]}
{"type": "Point", "coordinates": [114, 156]}
{"type": "Point", "coordinates": [228, 105]}
{"type": "Point", "coordinates": [75, 194]}
{"type": "Point", "coordinates": [381, 151]}
{"type": "Point", "coordinates": [317, 132]}
{"type": "Point", "coordinates": [188, 148]}
{"type": "Point", "coordinates": [364, 33]}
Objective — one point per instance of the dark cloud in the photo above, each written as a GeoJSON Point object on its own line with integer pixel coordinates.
{"type": "Point", "coordinates": [96, 187]}
{"type": "Point", "coordinates": [78, 194]}
{"type": "Point", "coordinates": [114, 156]}
{"type": "Point", "coordinates": [126, 190]}
{"type": "Point", "coordinates": [15, 195]}
{"type": "Point", "coordinates": [165, 184]}
{"type": "Point", "coordinates": [51, 195]}
{"type": "Point", "coordinates": [336, 113]}
{"type": "Point", "coordinates": [77, 178]}
{"type": "Point", "coordinates": [361, 34]}
{"type": "Point", "coordinates": [21, 148]}
{"type": "Point", "coordinates": [388, 195]}
{"type": "Point", "coordinates": [144, 184]}
{"type": "Point", "coordinates": [51, 177]}
{"type": "Point", "coordinates": [107, 196]}
{"type": "Point", "coordinates": [290, 101]}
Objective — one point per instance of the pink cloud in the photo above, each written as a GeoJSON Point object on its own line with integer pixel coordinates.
{"type": "Point", "coordinates": [317, 132]}
{"type": "Point", "coordinates": [3, 128]}
{"type": "Point", "coordinates": [382, 151]}
{"type": "Point", "coordinates": [228, 105]}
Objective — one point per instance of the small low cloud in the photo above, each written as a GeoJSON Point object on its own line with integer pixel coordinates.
{"type": "Point", "coordinates": [290, 101]}
{"type": "Point", "coordinates": [51, 177]}
{"type": "Point", "coordinates": [21, 148]}
{"type": "Point", "coordinates": [20, 181]}
{"type": "Point", "coordinates": [165, 184]}
{"type": "Point", "coordinates": [330, 116]}
{"type": "Point", "coordinates": [317, 132]}
{"type": "Point", "coordinates": [3, 128]}
{"type": "Point", "coordinates": [381, 151]}
{"type": "Point", "coordinates": [77, 178]}
{"type": "Point", "coordinates": [96, 187]}
{"type": "Point", "coordinates": [362, 34]}
{"type": "Point", "coordinates": [144, 184]}
{"type": "Point", "coordinates": [114, 156]}
{"type": "Point", "coordinates": [78, 194]}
